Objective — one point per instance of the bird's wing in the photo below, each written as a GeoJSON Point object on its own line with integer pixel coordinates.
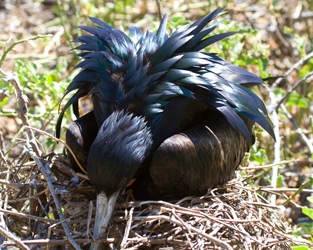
{"type": "Point", "coordinates": [114, 68]}
{"type": "Point", "coordinates": [206, 77]}
{"type": "Point", "coordinates": [105, 52]}
{"type": "Point", "coordinates": [201, 157]}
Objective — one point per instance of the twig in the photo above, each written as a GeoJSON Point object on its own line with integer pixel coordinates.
{"type": "Point", "coordinates": [127, 229]}
{"type": "Point", "coordinates": [34, 196]}
{"type": "Point", "coordinates": [189, 232]}
{"type": "Point", "coordinates": [304, 15]}
{"type": "Point", "coordinates": [187, 226]}
{"type": "Point", "coordinates": [28, 216]}
{"type": "Point", "coordinates": [158, 4]}
{"type": "Point", "coordinates": [274, 118]}
{"type": "Point", "coordinates": [301, 188]}
{"type": "Point", "coordinates": [3, 94]}
{"type": "Point", "coordinates": [89, 217]}
{"type": "Point", "coordinates": [240, 225]}
{"type": "Point", "coordinates": [2, 144]}
{"type": "Point", "coordinates": [2, 158]}
{"type": "Point", "coordinates": [60, 12]}
{"type": "Point", "coordinates": [56, 200]}
{"type": "Point", "coordinates": [60, 141]}
{"type": "Point", "coordinates": [84, 241]}
{"type": "Point", "coordinates": [288, 72]}
{"type": "Point", "coordinates": [284, 190]}
{"type": "Point", "coordinates": [296, 85]}
{"type": "Point", "coordinates": [6, 51]}
{"type": "Point", "coordinates": [22, 106]}
{"type": "Point", "coordinates": [16, 185]}
{"type": "Point", "coordinates": [12, 237]}
{"type": "Point", "coordinates": [262, 205]}
{"type": "Point", "coordinates": [298, 129]}
{"type": "Point", "coordinates": [268, 166]}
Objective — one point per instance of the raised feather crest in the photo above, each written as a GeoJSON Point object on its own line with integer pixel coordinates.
{"type": "Point", "coordinates": [142, 73]}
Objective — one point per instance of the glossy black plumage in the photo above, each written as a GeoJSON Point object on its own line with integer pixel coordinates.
{"type": "Point", "coordinates": [80, 136]}
{"type": "Point", "coordinates": [177, 119]}
{"type": "Point", "coordinates": [134, 141]}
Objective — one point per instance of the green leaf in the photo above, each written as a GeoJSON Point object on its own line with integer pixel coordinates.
{"type": "Point", "coordinates": [259, 156]}
{"type": "Point", "coordinates": [296, 99]}
{"type": "Point", "coordinates": [300, 248]}
{"type": "Point", "coordinates": [280, 181]}
{"type": "Point", "coordinates": [303, 229]}
{"type": "Point", "coordinates": [310, 198]}
{"type": "Point", "coordinates": [262, 63]}
{"type": "Point", "coordinates": [308, 211]}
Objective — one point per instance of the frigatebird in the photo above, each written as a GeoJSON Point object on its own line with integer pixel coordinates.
{"type": "Point", "coordinates": [175, 118]}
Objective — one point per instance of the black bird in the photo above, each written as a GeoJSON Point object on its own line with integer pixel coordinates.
{"type": "Point", "coordinates": [177, 119]}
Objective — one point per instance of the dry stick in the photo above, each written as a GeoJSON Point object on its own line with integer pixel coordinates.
{"type": "Point", "coordinates": [296, 85]}
{"type": "Point", "coordinates": [288, 72]}
{"type": "Point", "coordinates": [4, 202]}
{"type": "Point", "coordinates": [298, 129]}
{"type": "Point", "coordinates": [12, 237]}
{"type": "Point", "coordinates": [58, 140]}
{"type": "Point", "coordinates": [274, 118]}
{"type": "Point", "coordinates": [284, 190]}
{"type": "Point", "coordinates": [56, 200]}
{"type": "Point", "coordinates": [1, 153]}
{"type": "Point", "coordinates": [191, 212]}
{"type": "Point", "coordinates": [188, 227]}
{"type": "Point", "coordinates": [2, 158]}
{"type": "Point", "coordinates": [233, 227]}
{"type": "Point", "coordinates": [69, 219]}
{"type": "Point", "coordinates": [285, 111]}
{"type": "Point", "coordinates": [89, 217]}
{"type": "Point", "coordinates": [247, 240]}
{"type": "Point", "coordinates": [268, 166]}
{"type": "Point", "coordinates": [304, 15]}
{"type": "Point", "coordinates": [7, 50]}
{"type": "Point", "coordinates": [42, 206]}
{"type": "Point", "coordinates": [158, 3]}
{"type": "Point", "coordinates": [127, 229]}
{"type": "Point", "coordinates": [27, 216]}
{"type": "Point", "coordinates": [3, 94]}
{"type": "Point", "coordinates": [22, 106]}
{"type": "Point", "coordinates": [218, 220]}
{"type": "Point", "coordinates": [16, 185]}
{"type": "Point", "coordinates": [189, 232]}
{"type": "Point", "coordinates": [200, 214]}
{"type": "Point", "coordinates": [34, 196]}
{"type": "Point", "coordinates": [2, 144]}
{"type": "Point", "coordinates": [84, 241]}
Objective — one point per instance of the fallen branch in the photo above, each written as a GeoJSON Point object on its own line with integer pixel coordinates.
{"type": "Point", "coordinates": [12, 237]}
{"type": "Point", "coordinates": [56, 201]}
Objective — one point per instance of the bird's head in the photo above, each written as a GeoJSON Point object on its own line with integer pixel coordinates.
{"type": "Point", "coordinates": [122, 143]}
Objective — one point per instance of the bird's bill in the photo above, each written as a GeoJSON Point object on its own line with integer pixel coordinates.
{"type": "Point", "coordinates": [104, 209]}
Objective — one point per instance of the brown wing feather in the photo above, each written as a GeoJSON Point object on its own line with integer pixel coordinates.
{"type": "Point", "coordinates": [204, 156]}
{"type": "Point", "coordinates": [79, 137]}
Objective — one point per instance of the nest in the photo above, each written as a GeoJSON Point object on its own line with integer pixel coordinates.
{"type": "Point", "coordinates": [57, 204]}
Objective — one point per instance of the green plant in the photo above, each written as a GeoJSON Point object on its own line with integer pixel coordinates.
{"type": "Point", "coordinates": [305, 229]}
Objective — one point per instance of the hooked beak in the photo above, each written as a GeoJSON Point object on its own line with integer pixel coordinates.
{"type": "Point", "coordinates": [104, 210]}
